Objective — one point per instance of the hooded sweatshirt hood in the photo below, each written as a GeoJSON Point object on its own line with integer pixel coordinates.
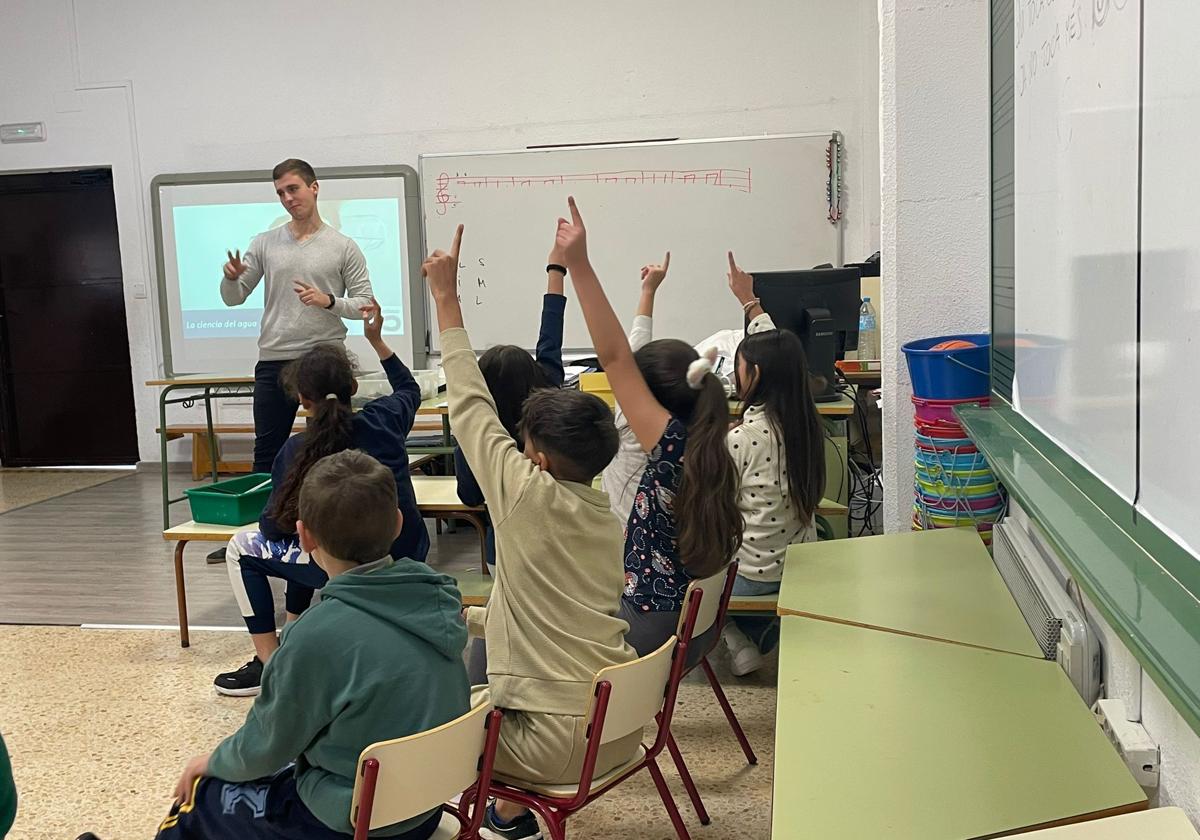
{"type": "Point", "coordinates": [380, 657]}
{"type": "Point", "coordinates": [407, 595]}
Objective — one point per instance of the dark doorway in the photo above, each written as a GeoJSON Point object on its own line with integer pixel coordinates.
{"type": "Point", "coordinates": [66, 387]}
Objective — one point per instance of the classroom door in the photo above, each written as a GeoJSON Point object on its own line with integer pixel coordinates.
{"type": "Point", "coordinates": [66, 387]}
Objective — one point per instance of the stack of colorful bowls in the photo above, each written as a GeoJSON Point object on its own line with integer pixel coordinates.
{"type": "Point", "coordinates": [954, 486]}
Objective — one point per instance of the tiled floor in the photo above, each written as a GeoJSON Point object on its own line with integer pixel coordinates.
{"type": "Point", "coordinates": [100, 722]}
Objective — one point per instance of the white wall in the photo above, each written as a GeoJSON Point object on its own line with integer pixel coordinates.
{"type": "Point", "coordinates": [149, 87]}
{"type": "Point", "coordinates": [934, 163]}
{"type": "Point", "coordinates": [1124, 679]}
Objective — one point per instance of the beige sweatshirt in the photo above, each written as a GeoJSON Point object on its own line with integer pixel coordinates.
{"type": "Point", "coordinates": [551, 621]}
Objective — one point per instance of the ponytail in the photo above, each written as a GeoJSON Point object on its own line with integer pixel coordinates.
{"type": "Point", "coordinates": [323, 377]}
{"type": "Point", "coordinates": [708, 522]}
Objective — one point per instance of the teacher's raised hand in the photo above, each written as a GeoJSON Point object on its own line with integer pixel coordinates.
{"type": "Point", "coordinates": [235, 268]}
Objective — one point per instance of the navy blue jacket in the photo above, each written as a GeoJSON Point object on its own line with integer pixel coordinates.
{"type": "Point", "coordinates": [380, 430]}
{"type": "Point", "coordinates": [549, 357]}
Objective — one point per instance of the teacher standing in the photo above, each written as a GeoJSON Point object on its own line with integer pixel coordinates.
{"type": "Point", "coordinates": [315, 277]}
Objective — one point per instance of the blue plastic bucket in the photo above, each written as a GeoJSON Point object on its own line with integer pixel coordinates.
{"type": "Point", "coordinates": [949, 374]}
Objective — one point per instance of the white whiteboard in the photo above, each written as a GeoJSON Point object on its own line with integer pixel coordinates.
{"type": "Point", "coordinates": [764, 198]}
{"type": "Point", "coordinates": [1076, 206]}
{"type": "Point", "coordinates": [1170, 396]}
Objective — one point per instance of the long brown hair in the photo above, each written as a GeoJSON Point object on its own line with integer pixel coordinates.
{"type": "Point", "coordinates": [708, 523]}
{"type": "Point", "coordinates": [511, 375]}
{"type": "Point", "coordinates": [323, 371]}
{"type": "Point", "coordinates": [782, 389]}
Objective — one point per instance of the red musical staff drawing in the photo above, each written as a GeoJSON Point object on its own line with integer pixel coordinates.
{"type": "Point", "coordinates": [737, 180]}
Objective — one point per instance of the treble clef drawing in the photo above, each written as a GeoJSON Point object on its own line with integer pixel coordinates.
{"type": "Point", "coordinates": [442, 196]}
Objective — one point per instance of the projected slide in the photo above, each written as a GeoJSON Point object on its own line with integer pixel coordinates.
{"type": "Point", "coordinates": [204, 232]}
{"type": "Point", "coordinates": [200, 216]}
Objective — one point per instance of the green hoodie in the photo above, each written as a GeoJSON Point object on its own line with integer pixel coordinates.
{"type": "Point", "coordinates": [8, 793]}
{"type": "Point", "coordinates": [380, 657]}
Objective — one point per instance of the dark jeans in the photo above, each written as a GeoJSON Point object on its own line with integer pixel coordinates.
{"type": "Point", "coordinates": [265, 809]}
{"type": "Point", "coordinates": [274, 414]}
{"type": "Point", "coordinates": [648, 631]}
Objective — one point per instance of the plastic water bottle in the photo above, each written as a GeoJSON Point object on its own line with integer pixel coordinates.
{"type": "Point", "coordinates": [868, 331]}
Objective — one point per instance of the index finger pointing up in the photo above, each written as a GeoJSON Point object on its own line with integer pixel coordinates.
{"type": "Point", "coordinates": [457, 243]}
{"type": "Point", "coordinates": [667, 261]}
{"type": "Point", "coordinates": [576, 219]}
{"type": "Point", "coordinates": [732, 264]}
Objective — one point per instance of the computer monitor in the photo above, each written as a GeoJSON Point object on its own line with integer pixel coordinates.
{"type": "Point", "coordinates": [819, 305]}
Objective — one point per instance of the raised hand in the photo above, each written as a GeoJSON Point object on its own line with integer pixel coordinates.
{"type": "Point", "coordinates": [311, 296]}
{"type": "Point", "coordinates": [571, 238]}
{"type": "Point", "coordinates": [740, 283]}
{"type": "Point", "coordinates": [557, 255]}
{"type": "Point", "coordinates": [441, 270]}
{"type": "Point", "coordinates": [372, 321]}
{"type": "Point", "coordinates": [653, 275]}
{"type": "Point", "coordinates": [235, 268]}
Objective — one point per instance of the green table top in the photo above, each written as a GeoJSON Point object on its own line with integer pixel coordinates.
{"type": "Point", "coordinates": [1158, 824]}
{"type": "Point", "coordinates": [936, 584]}
{"type": "Point", "coordinates": [885, 735]}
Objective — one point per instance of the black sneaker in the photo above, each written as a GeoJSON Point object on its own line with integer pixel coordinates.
{"type": "Point", "coordinates": [216, 558]}
{"type": "Point", "coordinates": [524, 827]}
{"type": "Point", "coordinates": [244, 682]}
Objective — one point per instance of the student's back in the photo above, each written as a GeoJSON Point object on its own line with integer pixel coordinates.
{"type": "Point", "coordinates": [380, 657]}
{"type": "Point", "coordinates": [779, 451]}
{"type": "Point", "coordinates": [380, 430]}
{"type": "Point", "coordinates": [550, 622]}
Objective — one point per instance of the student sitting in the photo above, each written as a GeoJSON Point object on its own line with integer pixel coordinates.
{"type": "Point", "coordinates": [511, 376]}
{"type": "Point", "coordinates": [684, 522]}
{"type": "Point", "coordinates": [8, 792]}
{"type": "Point", "coordinates": [324, 381]}
{"type": "Point", "coordinates": [622, 476]}
{"type": "Point", "coordinates": [551, 622]}
{"type": "Point", "coordinates": [379, 657]}
{"type": "Point", "coordinates": [779, 450]}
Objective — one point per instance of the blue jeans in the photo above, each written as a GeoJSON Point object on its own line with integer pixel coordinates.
{"type": "Point", "coordinates": [764, 632]}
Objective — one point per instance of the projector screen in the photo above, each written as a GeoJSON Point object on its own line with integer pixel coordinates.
{"type": "Point", "coordinates": [199, 217]}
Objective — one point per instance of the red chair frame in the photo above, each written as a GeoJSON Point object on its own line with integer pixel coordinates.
{"type": "Point", "coordinates": [556, 811]}
{"type": "Point", "coordinates": [734, 724]}
{"type": "Point", "coordinates": [469, 827]}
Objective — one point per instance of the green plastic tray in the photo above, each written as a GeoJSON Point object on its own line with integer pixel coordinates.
{"type": "Point", "coordinates": [238, 501]}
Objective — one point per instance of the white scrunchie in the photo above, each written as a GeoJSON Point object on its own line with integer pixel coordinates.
{"type": "Point", "coordinates": [331, 396]}
{"type": "Point", "coordinates": [700, 368]}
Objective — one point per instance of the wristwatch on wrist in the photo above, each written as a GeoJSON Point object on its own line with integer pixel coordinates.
{"type": "Point", "coordinates": [332, 301]}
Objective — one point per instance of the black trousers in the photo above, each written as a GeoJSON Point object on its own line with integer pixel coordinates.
{"type": "Point", "coordinates": [274, 414]}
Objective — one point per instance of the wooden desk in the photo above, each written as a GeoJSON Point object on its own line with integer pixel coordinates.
{"type": "Point", "coordinates": [883, 735]}
{"type": "Point", "coordinates": [437, 498]}
{"type": "Point", "coordinates": [207, 388]}
{"type": "Point", "coordinates": [1155, 824]}
{"type": "Point", "coordinates": [933, 584]}
{"type": "Point", "coordinates": [843, 406]}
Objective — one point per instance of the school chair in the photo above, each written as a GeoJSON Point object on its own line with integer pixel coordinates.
{"type": "Point", "coordinates": [404, 777]}
{"type": "Point", "coordinates": [626, 698]}
{"type": "Point", "coordinates": [713, 594]}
